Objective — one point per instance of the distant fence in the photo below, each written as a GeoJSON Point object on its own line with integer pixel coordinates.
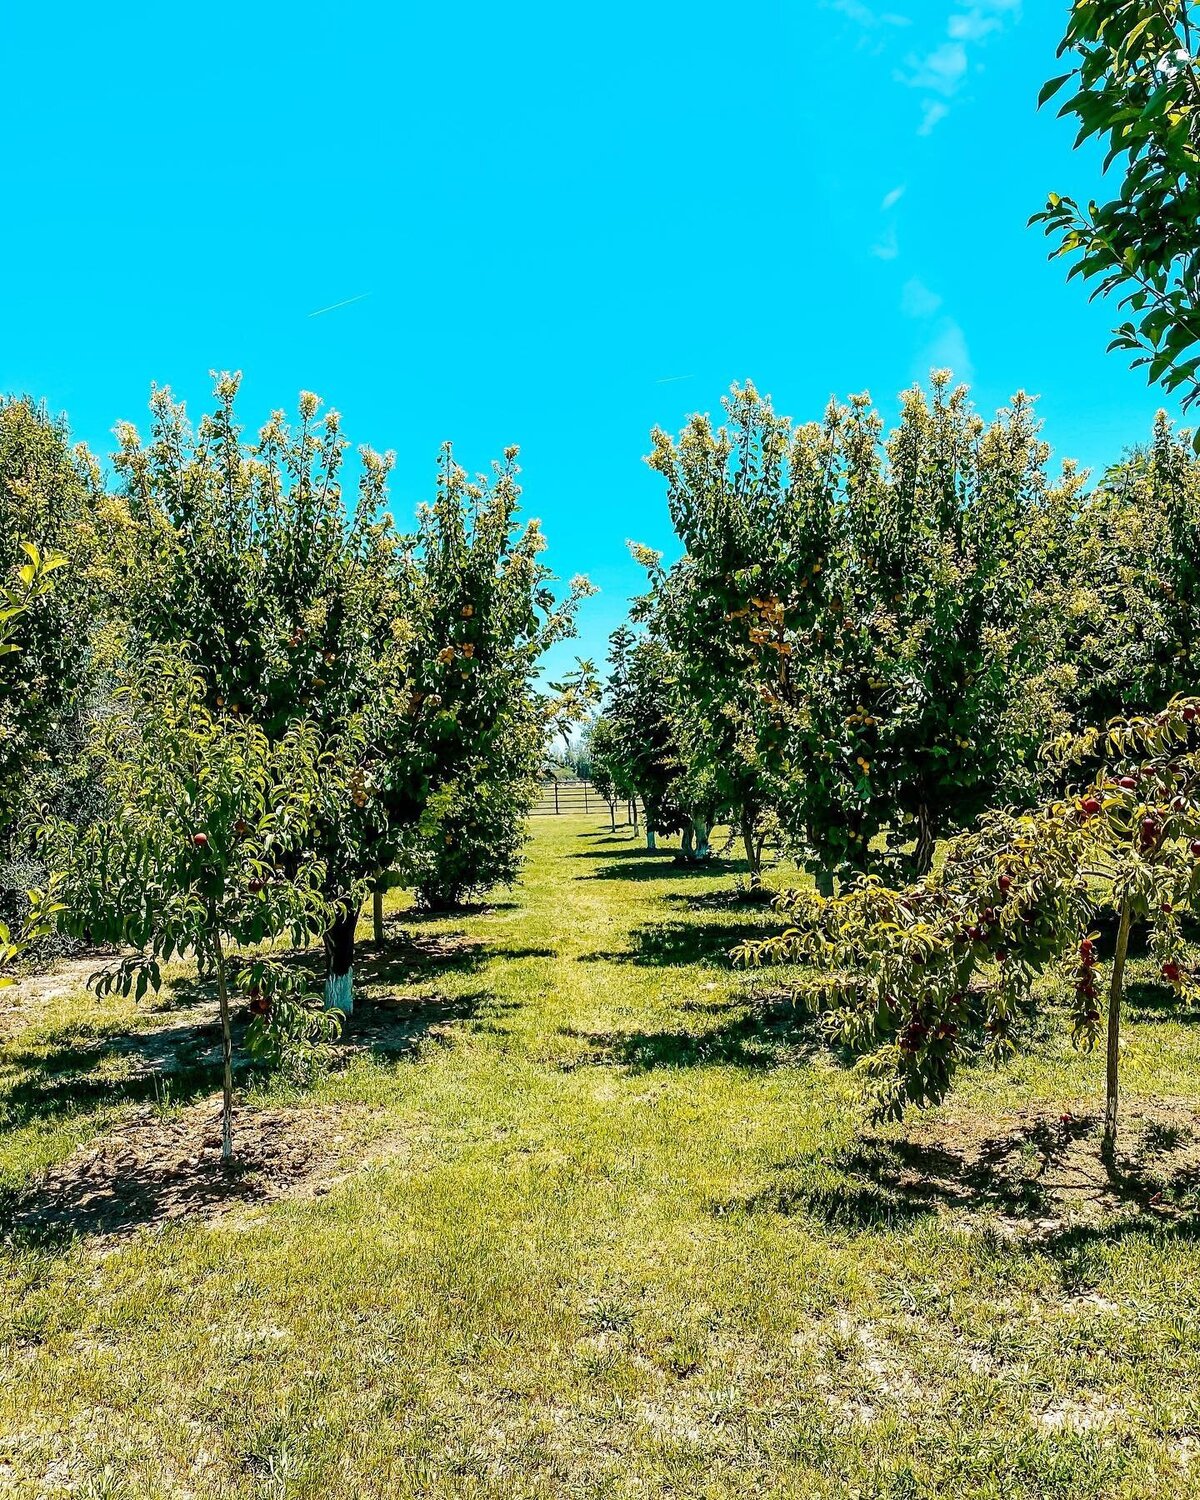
{"type": "Point", "coordinates": [576, 799]}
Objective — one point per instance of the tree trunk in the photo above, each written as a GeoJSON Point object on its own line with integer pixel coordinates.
{"type": "Point", "coordinates": [612, 815]}
{"type": "Point", "coordinates": [1108, 1146]}
{"type": "Point", "coordinates": [633, 814]}
{"type": "Point", "coordinates": [749, 821]}
{"type": "Point", "coordinates": [702, 833]}
{"type": "Point", "coordinates": [926, 842]}
{"type": "Point", "coordinates": [651, 840]}
{"type": "Point", "coordinates": [339, 962]}
{"type": "Point", "coordinates": [688, 843]}
{"type": "Point", "coordinates": [824, 883]}
{"type": "Point", "coordinates": [226, 1051]}
{"type": "Point", "coordinates": [377, 915]}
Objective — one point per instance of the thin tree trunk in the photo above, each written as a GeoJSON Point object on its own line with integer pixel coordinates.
{"type": "Point", "coordinates": [926, 843]}
{"type": "Point", "coordinates": [339, 962]}
{"type": "Point", "coordinates": [226, 1051]}
{"type": "Point", "coordinates": [377, 915]}
{"type": "Point", "coordinates": [748, 825]}
{"type": "Point", "coordinates": [651, 841]}
{"type": "Point", "coordinates": [612, 815]}
{"type": "Point", "coordinates": [1108, 1147]}
{"type": "Point", "coordinates": [702, 834]}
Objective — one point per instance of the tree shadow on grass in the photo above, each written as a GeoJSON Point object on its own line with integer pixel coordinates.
{"type": "Point", "coordinates": [162, 1161]}
{"type": "Point", "coordinates": [739, 898]}
{"type": "Point", "coordinates": [1151, 1003]}
{"type": "Point", "coordinates": [149, 1166]}
{"type": "Point", "coordinates": [422, 916]}
{"type": "Point", "coordinates": [759, 1039]}
{"type": "Point", "coordinates": [49, 1076]}
{"type": "Point", "coordinates": [679, 944]}
{"type": "Point", "coordinates": [1107, 923]}
{"type": "Point", "coordinates": [1039, 1183]}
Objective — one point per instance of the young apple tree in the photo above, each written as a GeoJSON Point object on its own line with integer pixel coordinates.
{"type": "Point", "coordinates": [1123, 599]}
{"type": "Point", "coordinates": [923, 980]}
{"type": "Point", "coordinates": [207, 852]}
{"type": "Point", "coordinates": [51, 498]}
{"type": "Point", "coordinates": [641, 741]}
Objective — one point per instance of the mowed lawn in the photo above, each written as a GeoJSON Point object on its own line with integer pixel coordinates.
{"type": "Point", "coordinates": [585, 1212]}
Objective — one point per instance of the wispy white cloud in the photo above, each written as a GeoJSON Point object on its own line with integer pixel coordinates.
{"type": "Point", "coordinates": [887, 247]}
{"type": "Point", "coordinates": [941, 343]}
{"type": "Point", "coordinates": [946, 350]}
{"type": "Point", "coordinates": [917, 301]}
{"type": "Point", "coordinates": [891, 199]}
{"type": "Point", "coordinates": [933, 112]}
{"type": "Point", "coordinates": [942, 70]}
{"type": "Point", "coordinates": [865, 15]}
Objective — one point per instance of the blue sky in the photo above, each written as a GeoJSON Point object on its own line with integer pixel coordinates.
{"type": "Point", "coordinates": [561, 226]}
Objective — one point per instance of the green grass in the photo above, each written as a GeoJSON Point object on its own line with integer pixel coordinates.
{"type": "Point", "coordinates": [620, 1229]}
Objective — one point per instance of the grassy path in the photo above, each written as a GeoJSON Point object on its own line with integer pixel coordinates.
{"type": "Point", "coordinates": [612, 1226]}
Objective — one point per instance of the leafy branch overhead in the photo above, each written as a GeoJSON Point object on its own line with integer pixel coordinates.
{"type": "Point", "coordinates": [1137, 90]}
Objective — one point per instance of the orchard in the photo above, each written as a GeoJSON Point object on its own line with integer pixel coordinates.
{"type": "Point", "coordinates": [754, 1057]}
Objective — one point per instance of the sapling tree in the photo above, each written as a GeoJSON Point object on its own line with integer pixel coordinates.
{"type": "Point", "coordinates": [607, 775]}
{"type": "Point", "coordinates": [207, 853]}
{"type": "Point", "coordinates": [924, 979]}
{"type": "Point", "coordinates": [644, 752]}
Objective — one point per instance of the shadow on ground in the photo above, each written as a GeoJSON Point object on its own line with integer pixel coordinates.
{"type": "Point", "coordinates": [1157, 1002]}
{"type": "Point", "coordinates": [162, 1160]}
{"type": "Point", "coordinates": [759, 1038]}
{"type": "Point", "coordinates": [637, 863]}
{"type": "Point", "coordinates": [164, 1166]}
{"type": "Point", "coordinates": [421, 916]}
{"type": "Point", "coordinates": [678, 944]}
{"type": "Point", "coordinates": [1036, 1177]}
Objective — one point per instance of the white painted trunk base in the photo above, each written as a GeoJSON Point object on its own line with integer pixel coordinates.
{"type": "Point", "coordinates": [339, 992]}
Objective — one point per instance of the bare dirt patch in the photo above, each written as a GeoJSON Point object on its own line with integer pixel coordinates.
{"type": "Point", "coordinates": [160, 1167]}
{"type": "Point", "coordinates": [21, 1000]}
{"type": "Point", "coordinates": [1040, 1171]}
{"type": "Point", "coordinates": [1032, 1172]}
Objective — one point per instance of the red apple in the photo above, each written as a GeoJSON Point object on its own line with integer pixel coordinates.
{"type": "Point", "coordinates": [200, 840]}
